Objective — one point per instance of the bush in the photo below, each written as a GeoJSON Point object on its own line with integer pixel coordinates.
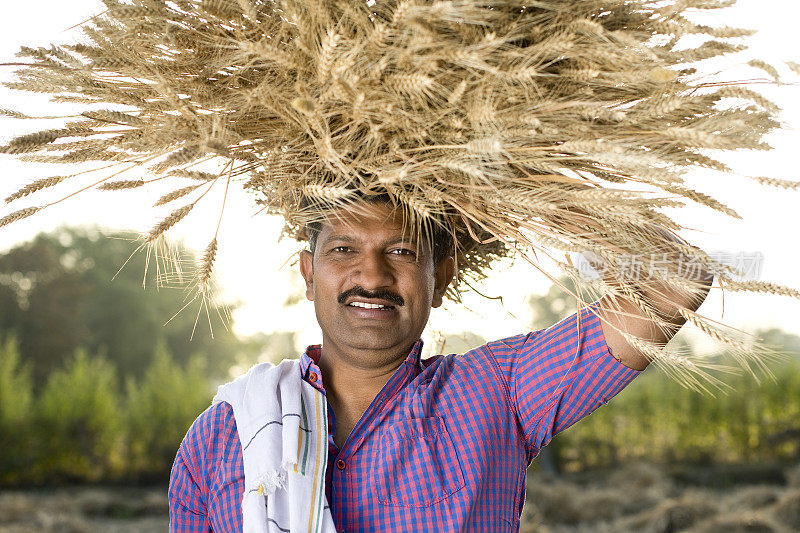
{"type": "Point", "coordinates": [16, 417]}
{"type": "Point", "coordinates": [160, 410]}
{"type": "Point", "coordinates": [80, 422]}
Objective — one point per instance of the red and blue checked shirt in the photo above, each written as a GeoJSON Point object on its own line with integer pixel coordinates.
{"type": "Point", "coordinates": [443, 447]}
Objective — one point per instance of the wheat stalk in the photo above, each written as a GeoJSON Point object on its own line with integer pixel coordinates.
{"type": "Point", "coordinates": [327, 192]}
{"type": "Point", "coordinates": [18, 215]}
{"type": "Point", "coordinates": [173, 218]}
{"type": "Point", "coordinates": [207, 266]}
{"type": "Point", "coordinates": [35, 186]}
{"type": "Point", "coordinates": [775, 182]}
{"type": "Point", "coordinates": [121, 185]}
{"type": "Point", "coordinates": [766, 67]}
{"type": "Point", "coordinates": [176, 194]}
{"type": "Point", "coordinates": [761, 286]}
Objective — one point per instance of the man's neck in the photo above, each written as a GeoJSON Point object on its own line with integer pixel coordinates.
{"type": "Point", "coordinates": [351, 388]}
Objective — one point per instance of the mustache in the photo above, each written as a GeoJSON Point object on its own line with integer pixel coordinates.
{"type": "Point", "coordinates": [380, 294]}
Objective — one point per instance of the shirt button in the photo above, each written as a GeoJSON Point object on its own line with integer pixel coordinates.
{"type": "Point", "coordinates": [340, 464]}
{"type": "Point", "coordinates": [313, 377]}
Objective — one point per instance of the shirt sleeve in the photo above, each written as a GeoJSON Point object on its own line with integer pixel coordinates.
{"type": "Point", "coordinates": [188, 483]}
{"type": "Point", "coordinates": [187, 509]}
{"type": "Point", "coordinates": [559, 375]}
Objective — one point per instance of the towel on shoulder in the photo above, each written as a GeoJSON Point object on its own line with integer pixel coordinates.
{"type": "Point", "coordinates": [282, 423]}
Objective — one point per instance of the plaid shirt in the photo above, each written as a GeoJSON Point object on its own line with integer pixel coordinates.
{"type": "Point", "coordinates": [444, 446]}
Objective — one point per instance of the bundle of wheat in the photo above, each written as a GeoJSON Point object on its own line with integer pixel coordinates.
{"type": "Point", "coordinates": [522, 127]}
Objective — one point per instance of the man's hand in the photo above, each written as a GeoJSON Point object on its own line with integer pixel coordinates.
{"type": "Point", "coordinates": [622, 318]}
{"type": "Point", "coordinates": [640, 310]}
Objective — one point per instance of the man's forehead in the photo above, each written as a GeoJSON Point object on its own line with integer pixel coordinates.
{"type": "Point", "coordinates": [379, 220]}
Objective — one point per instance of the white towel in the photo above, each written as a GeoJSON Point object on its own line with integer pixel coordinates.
{"type": "Point", "coordinates": [283, 426]}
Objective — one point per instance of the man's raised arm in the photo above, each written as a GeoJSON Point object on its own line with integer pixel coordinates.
{"type": "Point", "coordinates": [621, 317]}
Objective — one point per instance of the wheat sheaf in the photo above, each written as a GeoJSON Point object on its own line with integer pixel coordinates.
{"type": "Point", "coordinates": [521, 127]}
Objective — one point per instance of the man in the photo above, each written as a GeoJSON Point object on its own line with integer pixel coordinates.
{"type": "Point", "coordinates": [435, 445]}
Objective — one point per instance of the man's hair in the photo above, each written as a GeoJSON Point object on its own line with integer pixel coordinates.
{"type": "Point", "coordinates": [436, 233]}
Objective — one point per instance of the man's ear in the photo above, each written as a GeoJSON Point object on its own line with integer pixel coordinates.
{"type": "Point", "coordinates": [443, 276]}
{"type": "Point", "coordinates": [307, 271]}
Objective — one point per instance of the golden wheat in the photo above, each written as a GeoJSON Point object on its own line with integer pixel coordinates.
{"type": "Point", "coordinates": [776, 182]}
{"type": "Point", "coordinates": [18, 215]}
{"type": "Point", "coordinates": [35, 186]}
{"type": "Point", "coordinates": [120, 185]}
{"type": "Point", "coordinates": [173, 218]}
{"type": "Point", "coordinates": [207, 267]}
{"type": "Point", "coordinates": [560, 126]}
{"type": "Point", "coordinates": [176, 194]}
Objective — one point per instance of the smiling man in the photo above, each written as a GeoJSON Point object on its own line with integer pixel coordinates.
{"type": "Point", "coordinates": [441, 444]}
{"type": "Point", "coordinates": [373, 287]}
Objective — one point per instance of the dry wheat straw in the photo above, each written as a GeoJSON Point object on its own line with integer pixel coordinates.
{"type": "Point", "coordinates": [775, 182]}
{"type": "Point", "coordinates": [193, 174]}
{"type": "Point", "coordinates": [207, 266]}
{"type": "Point", "coordinates": [173, 218]}
{"type": "Point", "coordinates": [766, 67]}
{"type": "Point", "coordinates": [505, 125]}
{"type": "Point", "coordinates": [711, 331]}
{"type": "Point", "coordinates": [120, 185]}
{"type": "Point", "coordinates": [35, 186]}
{"type": "Point", "coordinates": [18, 215]}
{"type": "Point", "coordinates": [760, 286]}
{"type": "Point", "coordinates": [114, 117]}
{"type": "Point", "coordinates": [176, 194]}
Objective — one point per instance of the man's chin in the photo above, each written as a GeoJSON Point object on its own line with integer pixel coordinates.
{"type": "Point", "coordinates": [352, 332]}
{"type": "Point", "coordinates": [373, 339]}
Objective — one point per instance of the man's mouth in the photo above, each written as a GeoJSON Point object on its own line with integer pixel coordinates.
{"type": "Point", "coordinates": [365, 302]}
{"type": "Point", "coordinates": [366, 305]}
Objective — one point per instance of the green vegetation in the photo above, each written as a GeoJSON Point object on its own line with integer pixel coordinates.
{"type": "Point", "coordinates": [160, 408]}
{"type": "Point", "coordinates": [80, 409]}
{"type": "Point", "coordinates": [657, 419]}
{"type": "Point", "coordinates": [83, 426]}
{"type": "Point", "coordinates": [93, 385]}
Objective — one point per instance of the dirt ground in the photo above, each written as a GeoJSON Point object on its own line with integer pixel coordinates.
{"type": "Point", "coordinates": [643, 498]}
{"type": "Point", "coordinates": [84, 510]}
{"type": "Point", "coordinates": [636, 498]}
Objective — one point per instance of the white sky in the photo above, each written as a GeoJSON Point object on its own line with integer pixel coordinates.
{"type": "Point", "coordinates": [250, 264]}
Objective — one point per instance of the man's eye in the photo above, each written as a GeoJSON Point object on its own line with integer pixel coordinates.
{"type": "Point", "coordinates": [404, 252]}
{"type": "Point", "coordinates": [341, 249]}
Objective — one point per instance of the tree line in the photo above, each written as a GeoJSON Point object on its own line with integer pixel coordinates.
{"type": "Point", "coordinates": [57, 295]}
{"type": "Point", "coordinates": [93, 384]}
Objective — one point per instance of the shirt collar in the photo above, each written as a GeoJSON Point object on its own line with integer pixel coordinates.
{"type": "Point", "coordinates": [310, 358]}
{"type": "Point", "coordinates": [415, 356]}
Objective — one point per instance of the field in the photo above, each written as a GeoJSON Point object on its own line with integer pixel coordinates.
{"type": "Point", "coordinates": [643, 498]}
{"type": "Point", "coordinates": [637, 497]}
{"type": "Point", "coordinates": [84, 509]}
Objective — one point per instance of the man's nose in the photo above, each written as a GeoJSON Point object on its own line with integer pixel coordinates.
{"type": "Point", "coordinates": [373, 271]}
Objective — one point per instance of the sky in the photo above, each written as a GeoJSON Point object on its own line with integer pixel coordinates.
{"type": "Point", "coordinates": [256, 270]}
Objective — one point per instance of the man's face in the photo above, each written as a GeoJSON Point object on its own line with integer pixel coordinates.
{"type": "Point", "coordinates": [372, 285]}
